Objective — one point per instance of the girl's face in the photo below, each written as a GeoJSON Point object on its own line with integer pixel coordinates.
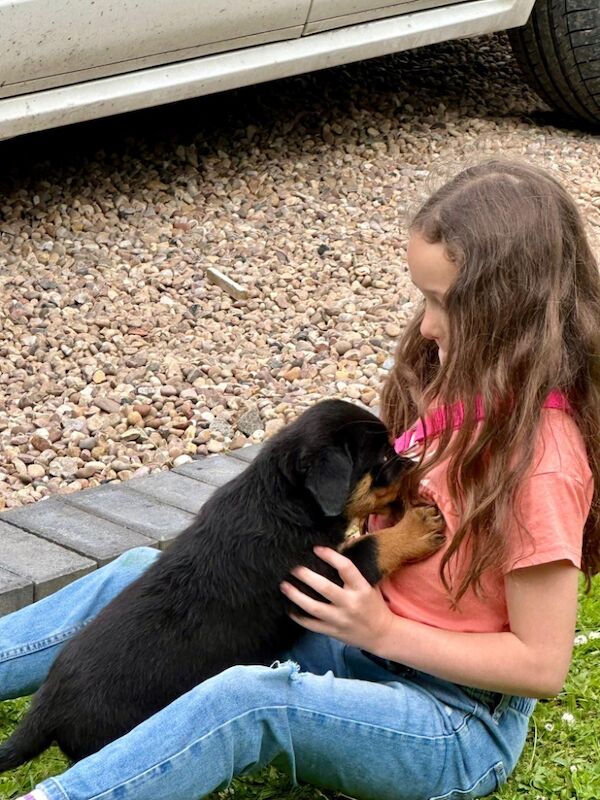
{"type": "Point", "coordinates": [433, 274]}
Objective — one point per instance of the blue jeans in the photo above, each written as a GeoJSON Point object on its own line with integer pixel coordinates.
{"type": "Point", "coordinates": [326, 714]}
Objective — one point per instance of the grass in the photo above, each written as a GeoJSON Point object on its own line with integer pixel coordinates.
{"type": "Point", "coordinates": [561, 760]}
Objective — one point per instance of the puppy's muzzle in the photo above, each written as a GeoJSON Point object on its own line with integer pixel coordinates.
{"type": "Point", "coordinates": [374, 493]}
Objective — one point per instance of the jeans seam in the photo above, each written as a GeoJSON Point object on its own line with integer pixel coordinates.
{"type": "Point", "coordinates": [469, 789]}
{"type": "Point", "coordinates": [55, 785]}
{"type": "Point", "coordinates": [41, 644]}
{"type": "Point", "coordinates": [407, 734]}
{"type": "Point", "coordinates": [501, 708]}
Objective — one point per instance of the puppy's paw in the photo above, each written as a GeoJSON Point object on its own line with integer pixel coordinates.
{"type": "Point", "coordinates": [429, 527]}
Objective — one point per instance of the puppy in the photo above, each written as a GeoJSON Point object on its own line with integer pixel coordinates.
{"type": "Point", "coordinates": [212, 600]}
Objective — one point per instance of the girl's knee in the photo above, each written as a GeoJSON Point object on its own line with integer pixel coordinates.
{"type": "Point", "coordinates": [277, 672]}
{"type": "Point", "coordinates": [257, 685]}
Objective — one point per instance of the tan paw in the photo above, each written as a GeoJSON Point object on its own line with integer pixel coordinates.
{"type": "Point", "coordinates": [429, 529]}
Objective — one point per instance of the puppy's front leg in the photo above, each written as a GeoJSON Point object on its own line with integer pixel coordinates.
{"type": "Point", "coordinates": [417, 535]}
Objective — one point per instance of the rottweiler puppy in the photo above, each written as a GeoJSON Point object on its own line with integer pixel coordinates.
{"type": "Point", "coordinates": [212, 599]}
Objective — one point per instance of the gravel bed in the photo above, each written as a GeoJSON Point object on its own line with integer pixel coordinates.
{"type": "Point", "coordinates": [119, 358]}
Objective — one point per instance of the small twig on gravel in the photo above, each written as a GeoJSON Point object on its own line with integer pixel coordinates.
{"type": "Point", "coordinates": [227, 284]}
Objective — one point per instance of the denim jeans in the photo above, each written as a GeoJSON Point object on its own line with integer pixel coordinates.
{"type": "Point", "coordinates": [325, 713]}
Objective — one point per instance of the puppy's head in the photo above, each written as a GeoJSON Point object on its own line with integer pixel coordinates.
{"type": "Point", "coordinates": [341, 454]}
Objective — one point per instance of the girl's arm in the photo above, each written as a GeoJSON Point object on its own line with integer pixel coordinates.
{"type": "Point", "coordinates": [531, 660]}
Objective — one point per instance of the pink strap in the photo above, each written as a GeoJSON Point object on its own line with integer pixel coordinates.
{"type": "Point", "coordinates": [436, 422]}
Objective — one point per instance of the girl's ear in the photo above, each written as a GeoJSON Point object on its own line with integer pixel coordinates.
{"type": "Point", "coordinates": [328, 479]}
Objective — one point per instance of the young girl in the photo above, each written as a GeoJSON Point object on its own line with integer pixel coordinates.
{"type": "Point", "coordinates": [421, 688]}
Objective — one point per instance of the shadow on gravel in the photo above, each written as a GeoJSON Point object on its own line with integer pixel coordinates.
{"type": "Point", "coordinates": [466, 79]}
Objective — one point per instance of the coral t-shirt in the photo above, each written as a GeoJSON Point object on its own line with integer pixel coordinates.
{"type": "Point", "coordinates": [554, 500]}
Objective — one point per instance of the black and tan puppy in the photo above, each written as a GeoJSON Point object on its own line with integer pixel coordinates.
{"type": "Point", "coordinates": [212, 600]}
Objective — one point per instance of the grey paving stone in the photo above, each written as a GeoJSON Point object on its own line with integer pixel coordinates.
{"type": "Point", "coordinates": [133, 511]}
{"type": "Point", "coordinates": [15, 592]}
{"type": "Point", "coordinates": [64, 524]}
{"type": "Point", "coordinates": [216, 471]}
{"type": "Point", "coordinates": [247, 453]}
{"type": "Point", "coordinates": [40, 562]}
{"type": "Point", "coordinates": [174, 490]}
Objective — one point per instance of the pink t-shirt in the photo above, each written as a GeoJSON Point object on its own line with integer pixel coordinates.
{"type": "Point", "coordinates": [554, 499]}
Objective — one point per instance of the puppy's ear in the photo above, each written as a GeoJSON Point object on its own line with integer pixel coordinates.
{"type": "Point", "coordinates": [328, 479]}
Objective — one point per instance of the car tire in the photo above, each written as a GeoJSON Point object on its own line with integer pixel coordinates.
{"type": "Point", "coordinates": [558, 50]}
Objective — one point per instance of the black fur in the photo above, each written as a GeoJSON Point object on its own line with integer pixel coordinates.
{"type": "Point", "coordinates": [212, 600]}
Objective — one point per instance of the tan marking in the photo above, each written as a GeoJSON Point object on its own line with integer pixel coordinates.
{"type": "Point", "coordinates": [365, 500]}
{"type": "Point", "coordinates": [415, 536]}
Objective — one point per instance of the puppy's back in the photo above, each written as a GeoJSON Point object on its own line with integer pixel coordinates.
{"type": "Point", "coordinates": [211, 601]}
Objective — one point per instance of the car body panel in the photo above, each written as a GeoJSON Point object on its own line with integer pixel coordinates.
{"type": "Point", "coordinates": [248, 65]}
{"type": "Point", "coordinates": [52, 42]}
{"type": "Point", "coordinates": [328, 14]}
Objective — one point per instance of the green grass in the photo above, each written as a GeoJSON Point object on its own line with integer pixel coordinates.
{"type": "Point", "coordinates": [561, 760]}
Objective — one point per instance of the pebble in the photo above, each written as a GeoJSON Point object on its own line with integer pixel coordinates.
{"type": "Point", "coordinates": [39, 442]}
{"type": "Point", "coordinates": [273, 425]}
{"type": "Point", "coordinates": [36, 471]}
{"type": "Point", "coordinates": [107, 404]}
{"type": "Point", "coordinates": [221, 426]}
{"type": "Point", "coordinates": [182, 459]}
{"type": "Point", "coordinates": [64, 467]}
{"type": "Point", "coordinates": [250, 421]}
{"type": "Point", "coordinates": [91, 468]}
{"type": "Point", "coordinates": [342, 347]}
{"type": "Point", "coordinates": [214, 446]}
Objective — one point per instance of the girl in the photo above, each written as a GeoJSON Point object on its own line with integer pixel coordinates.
{"type": "Point", "coordinates": [421, 688]}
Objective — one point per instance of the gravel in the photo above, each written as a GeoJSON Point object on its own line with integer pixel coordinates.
{"type": "Point", "coordinates": [118, 357]}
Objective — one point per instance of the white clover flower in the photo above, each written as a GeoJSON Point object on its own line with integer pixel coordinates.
{"type": "Point", "coordinates": [568, 718]}
{"type": "Point", "coordinates": [549, 726]}
{"type": "Point", "coordinates": [581, 639]}
{"type": "Point", "coordinates": [573, 768]}
{"type": "Point", "coordinates": [594, 635]}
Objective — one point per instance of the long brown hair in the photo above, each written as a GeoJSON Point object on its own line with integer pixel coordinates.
{"type": "Point", "coordinates": [524, 319]}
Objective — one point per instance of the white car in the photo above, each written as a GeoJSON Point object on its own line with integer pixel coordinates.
{"type": "Point", "coordinates": [64, 61]}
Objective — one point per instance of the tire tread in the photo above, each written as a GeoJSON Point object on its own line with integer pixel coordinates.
{"type": "Point", "coordinates": [559, 52]}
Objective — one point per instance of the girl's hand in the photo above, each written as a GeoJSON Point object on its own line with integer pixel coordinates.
{"type": "Point", "coordinates": [357, 614]}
